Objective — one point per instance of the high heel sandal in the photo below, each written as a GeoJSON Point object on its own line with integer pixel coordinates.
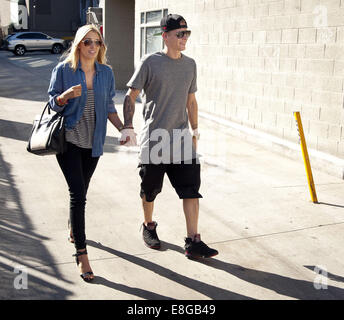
{"type": "Point", "coordinates": [85, 275]}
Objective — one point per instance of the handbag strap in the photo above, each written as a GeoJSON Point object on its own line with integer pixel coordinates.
{"type": "Point", "coordinates": [46, 106]}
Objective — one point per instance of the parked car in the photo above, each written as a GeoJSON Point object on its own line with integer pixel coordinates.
{"type": "Point", "coordinates": [21, 42]}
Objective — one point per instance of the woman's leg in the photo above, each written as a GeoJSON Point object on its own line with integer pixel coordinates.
{"type": "Point", "coordinates": [77, 166]}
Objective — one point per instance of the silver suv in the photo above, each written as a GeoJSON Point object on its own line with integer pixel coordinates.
{"type": "Point", "coordinates": [21, 42]}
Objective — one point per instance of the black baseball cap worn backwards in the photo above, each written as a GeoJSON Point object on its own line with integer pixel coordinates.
{"type": "Point", "coordinates": [172, 22]}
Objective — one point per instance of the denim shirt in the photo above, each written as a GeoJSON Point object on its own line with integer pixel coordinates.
{"type": "Point", "coordinates": [63, 77]}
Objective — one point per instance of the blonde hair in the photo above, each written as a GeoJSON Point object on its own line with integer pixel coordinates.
{"type": "Point", "coordinates": [72, 55]}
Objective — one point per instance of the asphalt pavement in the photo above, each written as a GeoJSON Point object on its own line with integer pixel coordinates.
{"type": "Point", "coordinates": [273, 242]}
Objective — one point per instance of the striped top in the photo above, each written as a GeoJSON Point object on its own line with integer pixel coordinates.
{"type": "Point", "coordinates": [82, 134]}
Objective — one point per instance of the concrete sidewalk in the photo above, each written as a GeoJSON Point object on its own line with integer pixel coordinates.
{"type": "Point", "coordinates": [273, 242]}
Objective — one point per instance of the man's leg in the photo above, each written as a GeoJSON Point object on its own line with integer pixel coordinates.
{"type": "Point", "coordinates": [152, 179]}
{"type": "Point", "coordinates": [147, 210]}
{"type": "Point", "coordinates": [186, 180]}
{"type": "Point", "coordinates": [191, 212]}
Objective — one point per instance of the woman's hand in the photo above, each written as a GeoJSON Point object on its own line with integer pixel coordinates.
{"type": "Point", "coordinates": [72, 92]}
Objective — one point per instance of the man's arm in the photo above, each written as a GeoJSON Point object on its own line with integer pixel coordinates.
{"type": "Point", "coordinates": [192, 108]}
{"type": "Point", "coordinates": [129, 107]}
{"type": "Point", "coordinates": [128, 136]}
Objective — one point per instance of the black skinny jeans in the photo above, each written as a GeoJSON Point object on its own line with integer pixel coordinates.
{"type": "Point", "coordinates": [77, 165]}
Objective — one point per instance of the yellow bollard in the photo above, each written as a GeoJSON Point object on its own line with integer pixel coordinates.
{"type": "Point", "coordinates": [305, 157]}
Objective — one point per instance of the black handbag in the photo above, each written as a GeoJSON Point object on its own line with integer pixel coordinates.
{"type": "Point", "coordinates": [47, 134]}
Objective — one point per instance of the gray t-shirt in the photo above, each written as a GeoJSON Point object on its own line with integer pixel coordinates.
{"type": "Point", "coordinates": [166, 83]}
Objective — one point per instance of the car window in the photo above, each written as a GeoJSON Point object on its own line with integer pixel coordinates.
{"type": "Point", "coordinates": [26, 36]}
{"type": "Point", "coordinates": [40, 36]}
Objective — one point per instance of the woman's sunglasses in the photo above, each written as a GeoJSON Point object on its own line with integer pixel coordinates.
{"type": "Point", "coordinates": [182, 34]}
{"type": "Point", "coordinates": [88, 42]}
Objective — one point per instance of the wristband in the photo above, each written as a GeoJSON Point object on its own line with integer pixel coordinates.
{"type": "Point", "coordinates": [195, 133]}
{"type": "Point", "coordinates": [60, 101]}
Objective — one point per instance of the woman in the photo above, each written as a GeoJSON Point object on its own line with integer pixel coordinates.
{"type": "Point", "coordinates": [82, 88]}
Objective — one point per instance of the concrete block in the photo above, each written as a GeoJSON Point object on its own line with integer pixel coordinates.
{"type": "Point", "coordinates": [339, 68]}
{"type": "Point", "coordinates": [334, 132]}
{"type": "Point", "coordinates": [290, 134]}
{"type": "Point", "coordinates": [277, 105]}
{"type": "Point", "coordinates": [234, 37]}
{"type": "Point", "coordinates": [292, 7]}
{"type": "Point", "coordinates": [284, 120]}
{"type": "Point", "coordinates": [307, 35]}
{"type": "Point", "coordinates": [276, 8]}
{"type": "Point", "coordinates": [310, 112]}
{"type": "Point", "coordinates": [315, 51]}
{"type": "Point", "coordinates": [336, 18]}
{"type": "Point", "coordinates": [246, 37]}
{"type": "Point", "coordinates": [271, 91]}
{"type": "Point", "coordinates": [241, 25]}
{"type": "Point", "coordinates": [286, 93]}
{"type": "Point", "coordinates": [290, 35]}
{"type": "Point", "coordinates": [340, 149]}
{"type": "Point", "coordinates": [328, 99]}
{"type": "Point", "coordinates": [269, 118]}
{"type": "Point", "coordinates": [274, 36]}
{"type": "Point", "coordinates": [295, 80]}
{"type": "Point", "coordinates": [327, 146]}
{"type": "Point", "coordinates": [318, 66]}
{"type": "Point", "coordinates": [334, 51]}
{"type": "Point", "coordinates": [287, 65]}
{"type": "Point", "coordinates": [283, 22]}
{"type": "Point", "coordinates": [278, 79]}
{"type": "Point", "coordinates": [330, 115]}
{"type": "Point", "coordinates": [268, 23]}
{"type": "Point", "coordinates": [318, 128]}
{"type": "Point", "coordinates": [326, 35]}
{"type": "Point", "coordinates": [257, 63]}
{"type": "Point", "coordinates": [253, 24]}
{"type": "Point", "coordinates": [263, 104]}
{"type": "Point", "coordinates": [255, 115]}
{"type": "Point", "coordinates": [308, 6]}
{"type": "Point", "coordinates": [340, 35]}
{"type": "Point", "coordinates": [303, 96]}
{"type": "Point", "coordinates": [261, 10]}
{"type": "Point", "coordinates": [302, 21]}
{"type": "Point", "coordinates": [209, 5]}
{"type": "Point", "coordinates": [297, 50]}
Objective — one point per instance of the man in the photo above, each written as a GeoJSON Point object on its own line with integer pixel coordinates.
{"type": "Point", "coordinates": [168, 79]}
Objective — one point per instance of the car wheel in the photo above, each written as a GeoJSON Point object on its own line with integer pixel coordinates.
{"type": "Point", "coordinates": [56, 49]}
{"type": "Point", "coordinates": [19, 50]}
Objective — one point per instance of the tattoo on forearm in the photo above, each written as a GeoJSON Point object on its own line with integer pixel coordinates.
{"type": "Point", "coordinates": [128, 111]}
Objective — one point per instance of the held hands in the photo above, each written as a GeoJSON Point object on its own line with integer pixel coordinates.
{"type": "Point", "coordinates": [128, 137]}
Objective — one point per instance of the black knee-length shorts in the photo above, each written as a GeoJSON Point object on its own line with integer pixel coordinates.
{"type": "Point", "coordinates": [184, 177]}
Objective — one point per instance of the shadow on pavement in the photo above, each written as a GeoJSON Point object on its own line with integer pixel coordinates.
{"type": "Point", "coordinates": [21, 131]}
{"type": "Point", "coordinates": [294, 288]}
{"type": "Point", "coordinates": [15, 130]}
{"type": "Point", "coordinates": [320, 271]}
{"type": "Point", "coordinates": [21, 247]}
{"type": "Point", "coordinates": [331, 204]}
{"type": "Point", "coordinates": [26, 77]}
{"type": "Point", "coordinates": [132, 291]}
{"type": "Point", "coordinates": [208, 290]}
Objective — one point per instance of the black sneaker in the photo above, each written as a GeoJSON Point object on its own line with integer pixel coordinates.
{"type": "Point", "coordinates": [149, 235]}
{"type": "Point", "coordinates": [198, 249]}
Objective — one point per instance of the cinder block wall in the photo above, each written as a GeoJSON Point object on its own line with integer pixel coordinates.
{"type": "Point", "coordinates": [260, 60]}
